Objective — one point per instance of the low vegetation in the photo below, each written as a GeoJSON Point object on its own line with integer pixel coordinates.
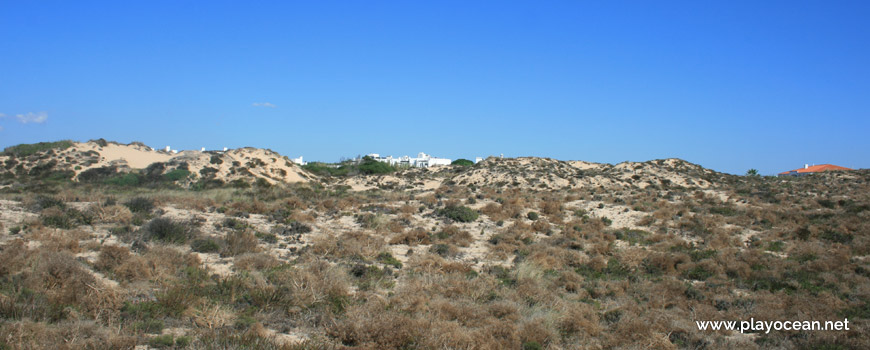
{"type": "Point", "coordinates": [504, 263]}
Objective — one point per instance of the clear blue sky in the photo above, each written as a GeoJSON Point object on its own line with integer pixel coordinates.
{"type": "Point", "coordinates": [730, 85]}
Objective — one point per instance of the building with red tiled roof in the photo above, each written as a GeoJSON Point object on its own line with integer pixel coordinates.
{"type": "Point", "coordinates": [807, 169]}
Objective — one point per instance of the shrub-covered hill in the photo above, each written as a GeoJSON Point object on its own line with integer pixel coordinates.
{"type": "Point", "coordinates": [473, 257]}
{"type": "Point", "coordinates": [136, 164]}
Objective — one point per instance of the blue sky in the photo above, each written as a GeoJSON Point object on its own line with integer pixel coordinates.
{"type": "Point", "coordinates": [730, 85]}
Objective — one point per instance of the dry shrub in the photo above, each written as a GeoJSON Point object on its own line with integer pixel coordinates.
{"type": "Point", "coordinates": [504, 310]}
{"type": "Point", "coordinates": [303, 217]}
{"type": "Point", "coordinates": [514, 207]}
{"type": "Point", "coordinates": [111, 213]}
{"type": "Point", "coordinates": [313, 284]}
{"type": "Point", "coordinates": [166, 261]}
{"type": "Point", "coordinates": [293, 203]}
{"type": "Point", "coordinates": [255, 261]}
{"type": "Point", "coordinates": [408, 209]}
{"type": "Point", "coordinates": [371, 327]}
{"type": "Point", "coordinates": [111, 256]}
{"type": "Point", "coordinates": [61, 242]}
{"type": "Point", "coordinates": [665, 263]}
{"type": "Point", "coordinates": [553, 258]}
{"type": "Point", "coordinates": [429, 200]}
{"type": "Point", "coordinates": [579, 320]}
{"type": "Point", "coordinates": [135, 268]}
{"type": "Point", "coordinates": [456, 309]}
{"type": "Point", "coordinates": [61, 276]}
{"type": "Point", "coordinates": [449, 335]}
{"type": "Point", "coordinates": [394, 226]}
{"type": "Point", "coordinates": [13, 255]}
{"type": "Point", "coordinates": [453, 235]}
{"type": "Point", "coordinates": [248, 206]}
{"type": "Point", "coordinates": [498, 334]}
{"type": "Point", "coordinates": [495, 212]}
{"type": "Point", "coordinates": [412, 237]}
{"type": "Point", "coordinates": [239, 242]}
{"type": "Point", "coordinates": [351, 244]}
{"type": "Point", "coordinates": [552, 208]}
{"type": "Point", "coordinates": [191, 202]}
{"type": "Point", "coordinates": [213, 316]}
{"type": "Point", "coordinates": [434, 264]}
{"type": "Point", "coordinates": [536, 330]}
{"type": "Point", "coordinates": [541, 225]}
{"type": "Point", "coordinates": [66, 335]}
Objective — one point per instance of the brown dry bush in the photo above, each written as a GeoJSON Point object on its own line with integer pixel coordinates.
{"type": "Point", "coordinates": [239, 242]}
{"type": "Point", "coordinates": [60, 276]}
{"type": "Point", "coordinates": [372, 327]}
{"type": "Point", "coordinates": [353, 244]}
{"type": "Point", "coordinates": [495, 212]}
{"type": "Point", "coordinates": [408, 209]}
{"type": "Point", "coordinates": [255, 261]}
{"type": "Point", "coordinates": [303, 217]}
{"type": "Point", "coordinates": [70, 335]}
{"type": "Point", "coordinates": [453, 235]}
{"type": "Point", "coordinates": [13, 255]}
{"type": "Point", "coordinates": [315, 283]}
{"type": "Point", "coordinates": [434, 264]}
{"type": "Point", "coordinates": [412, 237]}
{"type": "Point", "coordinates": [58, 240]}
{"type": "Point", "coordinates": [109, 214]}
{"type": "Point", "coordinates": [135, 268]}
{"type": "Point", "coordinates": [552, 208]}
{"type": "Point", "coordinates": [111, 256]}
{"type": "Point", "coordinates": [541, 226]}
{"type": "Point", "coordinates": [536, 330]}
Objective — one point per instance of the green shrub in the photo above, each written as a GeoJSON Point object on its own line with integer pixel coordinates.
{"type": "Point", "coordinates": [65, 219]}
{"type": "Point", "coordinates": [532, 216]}
{"type": "Point", "coordinates": [462, 162]}
{"type": "Point", "coordinates": [97, 174]}
{"type": "Point", "coordinates": [176, 175]}
{"type": "Point", "coordinates": [388, 259]}
{"type": "Point", "coordinates": [460, 213]}
{"type": "Point", "coordinates": [140, 205]}
{"type": "Point", "coordinates": [775, 246]}
{"type": "Point", "coordinates": [161, 341]}
{"type": "Point", "coordinates": [632, 236]}
{"type": "Point", "coordinates": [440, 249]}
{"type": "Point", "coordinates": [44, 202]}
{"type": "Point", "coordinates": [532, 345]}
{"type": "Point", "coordinates": [371, 166]}
{"type": "Point", "coordinates": [205, 245]}
{"type": "Point", "coordinates": [167, 230]}
{"type": "Point", "coordinates": [267, 237]}
{"type": "Point", "coordinates": [182, 342]}
{"type": "Point", "coordinates": [128, 179]}
{"type": "Point", "coordinates": [24, 150]}
{"type": "Point", "coordinates": [836, 236]}
{"type": "Point", "coordinates": [724, 211]}
{"type": "Point", "coordinates": [698, 272]}
{"type": "Point", "coordinates": [827, 203]}
{"type": "Point", "coordinates": [234, 224]}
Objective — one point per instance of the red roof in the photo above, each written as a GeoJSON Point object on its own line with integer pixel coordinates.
{"type": "Point", "coordinates": [815, 169]}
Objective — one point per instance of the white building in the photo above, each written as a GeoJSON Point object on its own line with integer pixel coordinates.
{"type": "Point", "coordinates": [422, 160]}
{"type": "Point", "coordinates": [298, 161]}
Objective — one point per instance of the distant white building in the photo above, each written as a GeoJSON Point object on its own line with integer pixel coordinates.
{"type": "Point", "coordinates": [422, 160]}
{"type": "Point", "coordinates": [298, 161]}
{"type": "Point", "coordinates": [478, 160]}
